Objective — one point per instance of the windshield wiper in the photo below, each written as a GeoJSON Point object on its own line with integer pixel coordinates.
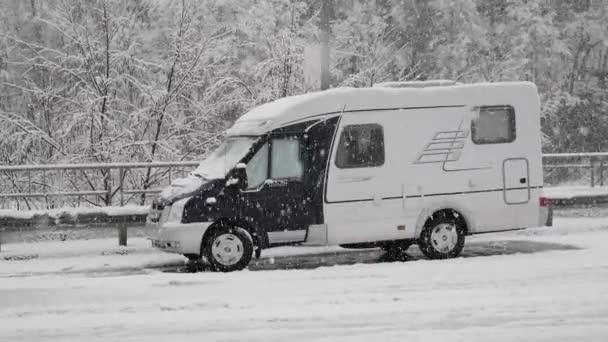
{"type": "Point", "coordinates": [200, 176]}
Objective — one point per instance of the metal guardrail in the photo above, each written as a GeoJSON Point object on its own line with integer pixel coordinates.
{"type": "Point", "coordinates": [591, 165]}
{"type": "Point", "coordinates": [102, 180]}
{"type": "Point", "coordinates": [108, 182]}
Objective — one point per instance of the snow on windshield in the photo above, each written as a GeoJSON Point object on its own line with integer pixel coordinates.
{"type": "Point", "coordinates": [224, 157]}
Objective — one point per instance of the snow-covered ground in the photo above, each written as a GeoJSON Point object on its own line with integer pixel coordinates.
{"type": "Point", "coordinates": [546, 284]}
{"type": "Point", "coordinates": [81, 256]}
{"type": "Point", "coordinates": [105, 256]}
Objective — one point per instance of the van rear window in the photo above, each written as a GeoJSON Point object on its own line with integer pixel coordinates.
{"type": "Point", "coordinates": [494, 125]}
{"type": "Point", "coordinates": [360, 146]}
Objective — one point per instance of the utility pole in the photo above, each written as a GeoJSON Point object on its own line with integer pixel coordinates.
{"type": "Point", "coordinates": [326, 32]}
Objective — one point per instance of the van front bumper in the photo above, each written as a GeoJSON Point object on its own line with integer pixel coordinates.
{"type": "Point", "coordinates": [179, 238]}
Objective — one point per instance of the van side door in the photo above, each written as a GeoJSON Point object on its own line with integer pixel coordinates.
{"type": "Point", "coordinates": [358, 201]}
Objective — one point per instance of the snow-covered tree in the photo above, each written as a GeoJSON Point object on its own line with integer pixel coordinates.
{"type": "Point", "coordinates": [143, 80]}
{"type": "Point", "coordinates": [366, 47]}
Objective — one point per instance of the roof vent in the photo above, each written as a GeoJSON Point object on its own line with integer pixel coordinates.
{"type": "Point", "coordinates": [416, 84]}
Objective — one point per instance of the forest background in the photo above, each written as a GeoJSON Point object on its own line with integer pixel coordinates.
{"type": "Point", "coordinates": [103, 81]}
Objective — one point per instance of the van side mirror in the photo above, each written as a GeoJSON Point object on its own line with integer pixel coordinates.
{"type": "Point", "coordinates": [237, 177]}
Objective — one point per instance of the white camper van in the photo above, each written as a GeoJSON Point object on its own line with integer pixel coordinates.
{"type": "Point", "coordinates": [386, 166]}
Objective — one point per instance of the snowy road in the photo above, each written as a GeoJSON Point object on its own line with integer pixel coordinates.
{"type": "Point", "coordinates": [547, 284]}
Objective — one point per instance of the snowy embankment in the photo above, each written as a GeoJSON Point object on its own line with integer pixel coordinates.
{"type": "Point", "coordinates": [565, 192]}
{"type": "Point", "coordinates": [75, 212]}
{"type": "Point", "coordinates": [555, 290]}
{"type": "Point", "coordinates": [78, 256]}
{"type": "Point", "coordinates": [71, 223]}
{"type": "Point", "coordinates": [104, 255]}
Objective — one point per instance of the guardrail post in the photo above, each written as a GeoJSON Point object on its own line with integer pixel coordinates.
{"type": "Point", "coordinates": [46, 199]}
{"type": "Point", "coordinates": [602, 172]}
{"type": "Point", "coordinates": [122, 234]}
{"type": "Point", "coordinates": [592, 172]}
{"type": "Point", "coordinates": [61, 186]}
{"type": "Point", "coordinates": [108, 184]}
{"type": "Point", "coordinates": [121, 174]}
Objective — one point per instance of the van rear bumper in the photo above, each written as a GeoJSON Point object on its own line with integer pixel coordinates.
{"type": "Point", "coordinates": [179, 238]}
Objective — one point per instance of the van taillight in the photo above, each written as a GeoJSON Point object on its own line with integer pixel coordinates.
{"type": "Point", "coordinates": [543, 201]}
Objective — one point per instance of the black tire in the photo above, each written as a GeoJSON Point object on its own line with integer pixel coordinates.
{"type": "Point", "coordinates": [443, 235]}
{"type": "Point", "coordinates": [395, 250]}
{"type": "Point", "coordinates": [233, 247]}
{"type": "Point", "coordinates": [400, 246]}
{"type": "Point", "coordinates": [193, 257]}
{"type": "Point", "coordinates": [194, 264]}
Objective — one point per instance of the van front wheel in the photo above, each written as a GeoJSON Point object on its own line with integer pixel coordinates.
{"type": "Point", "coordinates": [228, 249]}
{"type": "Point", "coordinates": [443, 236]}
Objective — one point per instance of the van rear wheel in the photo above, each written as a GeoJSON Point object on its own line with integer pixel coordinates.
{"type": "Point", "coordinates": [443, 236]}
{"type": "Point", "coordinates": [228, 249]}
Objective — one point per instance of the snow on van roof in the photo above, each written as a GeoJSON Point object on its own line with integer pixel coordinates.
{"type": "Point", "coordinates": [416, 84]}
{"type": "Point", "coordinates": [292, 109]}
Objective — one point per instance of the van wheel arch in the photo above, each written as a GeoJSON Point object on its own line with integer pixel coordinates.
{"type": "Point", "coordinates": [452, 212]}
{"type": "Point", "coordinates": [426, 218]}
{"type": "Point", "coordinates": [260, 239]}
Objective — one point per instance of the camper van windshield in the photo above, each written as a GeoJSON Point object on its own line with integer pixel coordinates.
{"type": "Point", "coordinates": [224, 158]}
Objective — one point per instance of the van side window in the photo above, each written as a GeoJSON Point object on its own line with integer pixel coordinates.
{"type": "Point", "coordinates": [494, 125]}
{"type": "Point", "coordinates": [360, 146]}
{"type": "Point", "coordinates": [286, 160]}
{"type": "Point", "coordinates": [257, 168]}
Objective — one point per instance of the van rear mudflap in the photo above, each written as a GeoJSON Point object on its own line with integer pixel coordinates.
{"type": "Point", "coordinates": [316, 235]}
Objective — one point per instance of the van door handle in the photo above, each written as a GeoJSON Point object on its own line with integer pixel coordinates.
{"type": "Point", "coordinates": [275, 183]}
{"type": "Point", "coordinates": [355, 179]}
{"type": "Point", "coordinates": [522, 180]}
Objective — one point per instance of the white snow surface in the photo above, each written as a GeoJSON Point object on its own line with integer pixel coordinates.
{"type": "Point", "coordinates": [548, 295]}
{"type": "Point", "coordinates": [416, 84]}
{"type": "Point", "coordinates": [55, 213]}
{"type": "Point", "coordinates": [78, 256]}
{"type": "Point", "coordinates": [104, 255]}
{"type": "Point", "coordinates": [565, 192]}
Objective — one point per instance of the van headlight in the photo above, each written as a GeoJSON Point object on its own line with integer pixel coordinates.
{"type": "Point", "coordinates": [177, 211]}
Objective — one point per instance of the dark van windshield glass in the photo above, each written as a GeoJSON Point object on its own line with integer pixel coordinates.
{"type": "Point", "coordinates": [224, 158]}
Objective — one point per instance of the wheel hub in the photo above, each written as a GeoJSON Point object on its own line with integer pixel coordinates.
{"type": "Point", "coordinates": [444, 237]}
{"type": "Point", "coordinates": [227, 249]}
